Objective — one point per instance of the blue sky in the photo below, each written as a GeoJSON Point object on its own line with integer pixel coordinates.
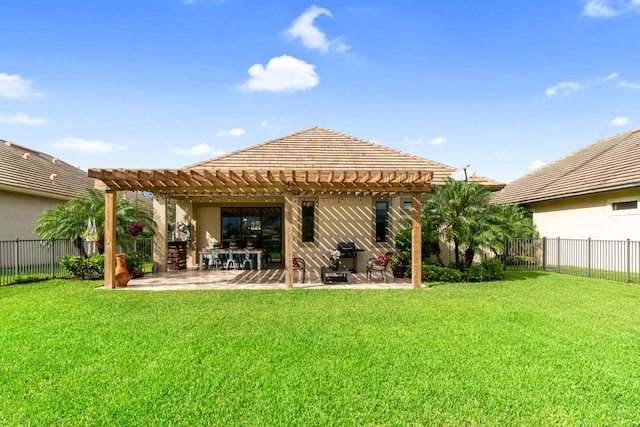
{"type": "Point", "coordinates": [504, 86]}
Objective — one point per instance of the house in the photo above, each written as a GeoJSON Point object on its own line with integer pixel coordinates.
{"type": "Point", "coordinates": [298, 195]}
{"type": "Point", "coordinates": [593, 192]}
{"type": "Point", "coordinates": [30, 183]}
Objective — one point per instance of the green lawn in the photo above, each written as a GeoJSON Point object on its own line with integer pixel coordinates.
{"type": "Point", "coordinates": [536, 349]}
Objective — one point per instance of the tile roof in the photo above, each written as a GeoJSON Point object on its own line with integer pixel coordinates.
{"type": "Point", "coordinates": [28, 170]}
{"type": "Point", "coordinates": [608, 164]}
{"type": "Point", "coordinates": [318, 148]}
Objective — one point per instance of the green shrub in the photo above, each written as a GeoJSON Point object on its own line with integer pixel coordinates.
{"type": "Point", "coordinates": [95, 266]}
{"type": "Point", "coordinates": [74, 265]}
{"type": "Point", "coordinates": [489, 269]}
{"type": "Point", "coordinates": [436, 273]}
{"type": "Point", "coordinates": [520, 260]}
{"type": "Point", "coordinates": [84, 268]}
{"type": "Point", "coordinates": [135, 263]}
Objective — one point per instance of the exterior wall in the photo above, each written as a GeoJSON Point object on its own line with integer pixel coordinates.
{"type": "Point", "coordinates": [342, 219]}
{"type": "Point", "coordinates": [20, 213]}
{"type": "Point", "coordinates": [587, 217]}
{"type": "Point", "coordinates": [337, 219]}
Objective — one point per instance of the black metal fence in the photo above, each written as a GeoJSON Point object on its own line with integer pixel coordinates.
{"type": "Point", "coordinates": [37, 258]}
{"type": "Point", "coordinates": [602, 259]}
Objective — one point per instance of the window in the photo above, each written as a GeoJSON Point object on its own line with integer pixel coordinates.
{"type": "Point", "coordinates": [308, 221]}
{"type": "Point", "coordinates": [623, 206]}
{"type": "Point", "coordinates": [382, 219]}
{"type": "Point", "coordinates": [258, 226]}
{"type": "Point", "coordinates": [406, 206]}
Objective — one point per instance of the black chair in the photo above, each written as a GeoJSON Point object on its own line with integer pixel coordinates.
{"type": "Point", "coordinates": [379, 264]}
{"type": "Point", "coordinates": [300, 264]}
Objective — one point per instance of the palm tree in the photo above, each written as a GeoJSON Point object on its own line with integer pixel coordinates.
{"type": "Point", "coordinates": [69, 221]}
{"type": "Point", "coordinates": [458, 209]}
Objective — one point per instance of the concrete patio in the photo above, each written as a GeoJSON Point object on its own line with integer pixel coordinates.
{"type": "Point", "coordinates": [193, 279]}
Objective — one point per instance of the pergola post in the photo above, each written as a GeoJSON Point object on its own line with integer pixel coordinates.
{"type": "Point", "coordinates": [109, 239]}
{"type": "Point", "coordinates": [288, 240]}
{"type": "Point", "coordinates": [160, 238]}
{"type": "Point", "coordinates": [416, 240]}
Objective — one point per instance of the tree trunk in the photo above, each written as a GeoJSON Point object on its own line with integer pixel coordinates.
{"type": "Point", "coordinates": [468, 257]}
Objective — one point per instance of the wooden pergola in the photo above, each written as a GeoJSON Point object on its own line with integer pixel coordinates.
{"type": "Point", "coordinates": [207, 182]}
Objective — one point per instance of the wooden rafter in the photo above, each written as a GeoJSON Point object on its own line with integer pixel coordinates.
{"type": "Point", "coordinates": [189, 182]}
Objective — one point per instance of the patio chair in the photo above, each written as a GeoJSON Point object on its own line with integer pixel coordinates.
{"type": "Point", "coordinates": [379, 264]}
{"type": "Point", "coordinates": [214, 261]}
{"type": "Point", "coordinates": [247, 259]}
{"type": "Point", "coordinates": [266, 256]}
{"type": "Point", "coordinates": [300, 264]}
{"type": "Point", "coordinates": [231, 261]}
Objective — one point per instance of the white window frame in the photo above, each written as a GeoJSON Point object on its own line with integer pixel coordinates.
{"type": "Point", "coordinates": [612, 212]}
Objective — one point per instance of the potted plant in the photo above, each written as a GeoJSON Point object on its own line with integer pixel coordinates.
{"type": "Point", "coordinates": [399, 266]}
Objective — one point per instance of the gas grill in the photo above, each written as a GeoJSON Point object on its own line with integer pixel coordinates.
{"type": "Point", "coordinates": [348, 251]}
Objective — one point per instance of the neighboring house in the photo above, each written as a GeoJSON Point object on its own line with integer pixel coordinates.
{"type": "Point", "coordinates": [298, 195]}
{"type": "Point", "coordinates": [30, 183]}
{"type": "Point", "coordinates": [591, 193]}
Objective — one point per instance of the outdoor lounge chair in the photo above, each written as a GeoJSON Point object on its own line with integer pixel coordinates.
{"type": "Point", "coordinates": [300, 264]}
{"type": "Point", "coordinates": [379, 264]}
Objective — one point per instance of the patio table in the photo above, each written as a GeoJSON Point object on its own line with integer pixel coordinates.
{"type": "Point", "coordinates": [329, 276]}
{"type": "Point", "coordinates": [224, 253]}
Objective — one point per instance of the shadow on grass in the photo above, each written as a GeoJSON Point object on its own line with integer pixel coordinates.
{"type": "Point", "coordinates": [512, 276]}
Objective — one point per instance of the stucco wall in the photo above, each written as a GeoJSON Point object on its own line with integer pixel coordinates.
{"type": "Point", "coordinates": [587, 217]}
{"type": "Point", "coordinates": [347, 218]}
{"type": "Point", "coordinates": [20, 213]}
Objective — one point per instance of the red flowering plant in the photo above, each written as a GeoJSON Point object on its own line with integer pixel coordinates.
{"type": "Point", "coordinates": [135, 229]}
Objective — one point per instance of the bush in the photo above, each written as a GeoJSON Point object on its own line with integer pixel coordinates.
{"type": "Point", "coordinates": [520, 260]}
{"type": "Point", "coordinates": [135, 263]}
{"type": "Point", "coordinates": [79, 267]}
{"type": "Point", "coordinates": [489, 269]}
{"type": "Point", "coordinates": [436, 273]}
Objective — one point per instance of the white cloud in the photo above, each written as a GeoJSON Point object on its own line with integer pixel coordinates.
{"type": "Point", "coordinates": [198, 150]}
{"type": "Point", "coordinates": [536, 164]}
{"type": "Point", "coordinates": [87, 145]}
{"type": "Point", "coordinates": [22, 119]}
{"type": "Point", "coordinates": [620, 121]}
{"type": "Point", "coordinates": [311, 37]}
{"type": "Point", "coordinates": [418, 141]}
{"type": "Point", "coordinates": [438, 141]}
{"type": "Point", "coordinates": [599, 9]}
{"type": "Point", "coordinates": [611, 76]}
{"type": "Point", "coordinates": [282, 74]}
{"type": "Point", "coordinates": [231, 132]}
{"type": "Point", "coordinates": [610, 8]}
{"type": "Point", "coordinates": [566, 88]}
{"type": "Point", "coordinates": [15, 87]}
{"type": "Point", "coordinates": [629, 85]}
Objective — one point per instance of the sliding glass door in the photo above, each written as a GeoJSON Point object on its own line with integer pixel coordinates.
{"type": "Point", "coordinates": [261, 227]}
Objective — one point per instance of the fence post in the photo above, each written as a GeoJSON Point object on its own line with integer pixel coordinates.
{"type": "Point", "coordinates": [16, 264]}
{"type": "Point", "coordinates": [628, 266]}
{"type": "Point", "coordinates": [53, 258]}
{"type": "Point", "coordinates": [589, 257]}
{"type": "Point", "coordinates": [506, 254]}
{"type": "Point", "coordinates": [558, 255]}
{"type": "Point", "coordinates": [544, 254]}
